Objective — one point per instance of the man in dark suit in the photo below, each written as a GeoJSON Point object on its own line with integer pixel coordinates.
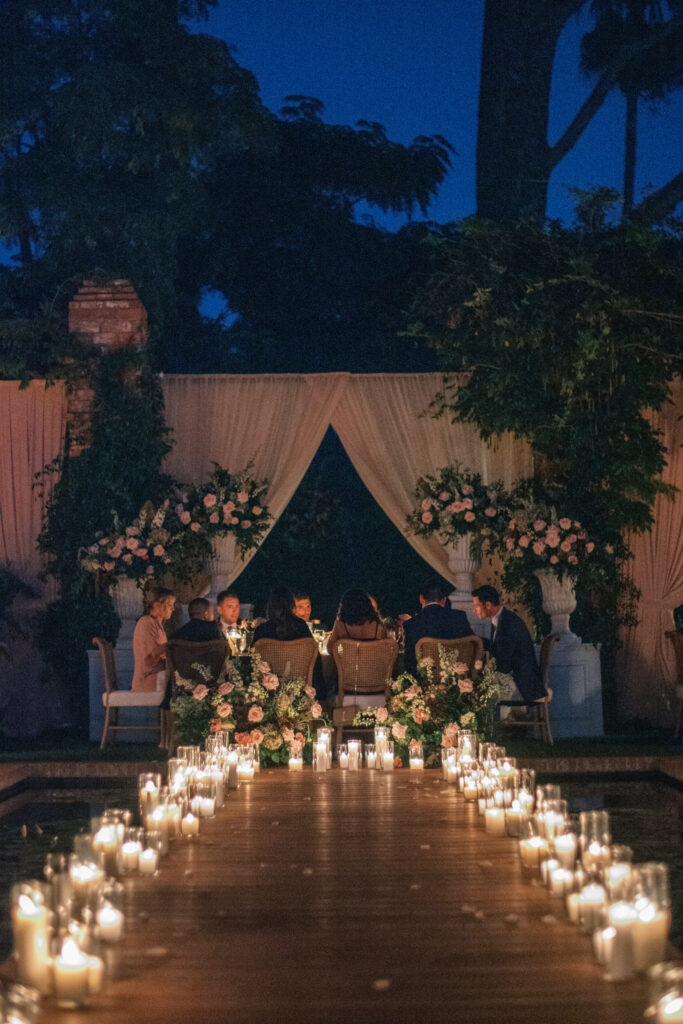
{"type": "Point", "coordinates": [434, 620]}
{"type": "Point", "coordinates": [201, 626]}
{"type": "Point", "coordinates": [511, 645]}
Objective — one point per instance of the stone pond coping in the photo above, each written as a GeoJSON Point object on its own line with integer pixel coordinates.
{"type": "Point", "coordinates": [18, 775]}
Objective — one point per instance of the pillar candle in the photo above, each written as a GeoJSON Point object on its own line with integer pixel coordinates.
{"type": "Point", "coordinates": [565, 847]}
{"type": "Point", "coordinates": [296, 764]}
{"type": "Point", "coordinates": [189, 826]}
{"type": "Point", "coordinates": [416, 764]}
{"type": "Point", "coordinates": [495, 821]}
{"type": "Point", "coordinates": [109, 923]}
{"type": "Point", "coordinates": [29, 925]}
{"type": "Point", "coordinates": [650, 933]}
{"type": "Point", "coordinates": [387, 761]}
{"type": "Point", "coordinates": [344, 760]}
{"type": "Point", "coordinates": [71, 970]}
{"type": "Point", "coordinates": [371, 758]}
{"type": "Point", "coordinates": [670, 1009]}
{"type": "Point", "coordinates": [591, 904]}
{"type": "Point", "coordinates": [530, 850]}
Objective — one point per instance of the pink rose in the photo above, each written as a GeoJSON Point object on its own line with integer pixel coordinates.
{"type": "Point", "coordinates": [524, 541]}
{"type": "Point", "coordinates": [444, 496]}
{"type": "Point", "coordinates": [263, 667]}
{"type": "Point", "coordinates": [490, 512]}
{"type": "Point", "coordinates": [460, 668]}
{"type": "Point", "coordinates": [225, 688]}
{"type": "Point", "coordinates": [509, 543]}
{"type": "Point", "coordinates": [470, 517]}
{"type": "Point", "coordinates": [103, 541]}
{"type": "Point", "coordinates": [223, 710]}
{"type": "Point", "coordinates": [590, 546]}
{"type": "Point", "coordinates": [518, 553]}
{"type": "Point", "coordinates": [478, 665]}
{"type": "Point", "coordinates": [552, 539]}
{"type": "Point", "coordinates": [142, 553]}
{"type": "Point", "coordinates": [228, 508]}
{"type": "Point", "coordinates": [256, 736]}
{"type": "Point", "coordinates": [210, 500]}
{"type": "Point", "coordinates": [132, 531]}
{"type": "Point", "coordinates": [426, 505]}
{"type": "Point", "coordinates": [465, 685]}
{"type": "Point", "coordinates": [573, 560]}
{"type": "Point", "coordinates": [213, 518]}
{"type": "Point", "coordinates": [554, 559]}
{"type": "Point", "coordinates": [132, 543]}
{"type": "Point", "coordinates": [194, 527]}
{"type": "Point", "coordinates": [256, 510]}
{"type": "Point", "coordinates": [539, 525]}
{"type": "Point", "coordinates": [539, 547]}
{"type": "Point", "coordinates": [255, 713]}
{"type": "Point", "coordinates": [288, 735]}
{"type": "Point", "coordinates": [565, 545]}
{"type": "Point", "coordinates": [382, 715]}
{"type": "Point", "coordinates": [243, 739]}
{"type": "Point", "coordinates": [577, 524]}
{"type": "Point", "coordinates": [426, 517]}
{"type": "Point", "coordinates": [159, 550]}
{"type": "Point", "coordinates": [271, 681]}
{"type": "Point", "coordinates": [234, 521]}
{"type": "Point", "coordinates": [109, 566]}
{"type": "Point", "coordinates": [127, 559]}
{"type": "Point", "coordinates": [185, 517]}
{"type": "Point", "coordinates": [457, 506]}
{"type": "Point", "coordinates": [300, 738]}
{"type": "Point", "coordinates": [565, 523]}
{"type": "Point", "coordinates": [200, 692]}
{"type": "Point", "coordinates": [246, 523]}
{"type": "Point", "coordinates": [467, 489]}
{"type": "Point", "coordinates": [316, 710]}
{"type": "Point", "coordinates": [243, 497]}
{"type": "Point", "coordinates": [467, 503]}
{"type": "Point", "coordinates": [310, 692]}
{"type": "Point", "coordinates": [399, 731]}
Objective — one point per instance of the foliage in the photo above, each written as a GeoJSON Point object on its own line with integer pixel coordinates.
{"type": "Point", "coordinates": [454, 502]}
{"type": "Point", "coordinates": [11, 587]}
{"type": "Point", "coordinates": [432, 709]}
{"type": "Point", "coordinates": [250, 699]}
{"type": "Point", "coordinates": [564, 337]}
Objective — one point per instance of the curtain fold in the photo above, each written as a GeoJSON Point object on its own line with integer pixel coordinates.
{"type": "Point", "coordinates": [277, 422]}
{"type": "Point", "coordinates": [646, 662]}
{"type": "Point", "coordinates": [383, 423]}
{"type": "Point", "coordinates": [32, 426]}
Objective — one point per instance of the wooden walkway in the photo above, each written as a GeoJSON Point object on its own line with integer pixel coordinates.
{"type": "Point", "coordinates": [359, 898]}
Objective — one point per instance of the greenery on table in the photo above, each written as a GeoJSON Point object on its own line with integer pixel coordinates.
{"type": "Point", "coordinates": [565, 337]}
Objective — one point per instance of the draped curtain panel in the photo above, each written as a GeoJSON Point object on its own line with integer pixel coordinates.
{"type": "Point", "coordinates": [32, 425]}
{"type": "Point", "coordinates": [277, 422]}
{"type": "Point", "coordinates": [384, 425]}
{"type": "Point", "coordinates": [646, 661]}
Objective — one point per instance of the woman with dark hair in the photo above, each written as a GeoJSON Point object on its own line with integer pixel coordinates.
{"type": "Point", "coordinates": [357, 619]}
{"type": "Point", "coordinates": [281, 622]}
{"type": "Point", "coordinates": [149, 641]}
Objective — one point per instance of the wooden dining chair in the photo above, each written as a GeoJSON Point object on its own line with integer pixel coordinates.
{"type": "Point", "coordinates": [539, 714]}
{"type": "Point", "coordinates": [289, 659]}
{"type": "Point", "coordinates": [113, 698]}
{"type": "Point", "coordinates": [469, 648]}
{"type": "Point", "coordinates": [363, 670]}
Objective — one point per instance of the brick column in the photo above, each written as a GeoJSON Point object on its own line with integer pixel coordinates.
{"type": "Point", "coordinates": [110, 317]}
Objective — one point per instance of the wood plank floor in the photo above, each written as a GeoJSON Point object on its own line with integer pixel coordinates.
{"type": "Point", "coordinates": [360, 898]}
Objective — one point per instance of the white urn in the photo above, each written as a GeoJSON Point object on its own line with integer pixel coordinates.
{"type": "Point", "coordinates": [463, 565]}
{"type": "Point", "coordinates": [559, 601]}
{"type": "Point", "coordinates": [127, 598]}
{"type": "Point", "coordinates": [222, 563]}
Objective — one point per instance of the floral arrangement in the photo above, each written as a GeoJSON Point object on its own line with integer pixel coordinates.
{"type": "Point", "coordinates": [248, 698]}
{"type": "Point", "coordinates": [175, 537]}
{"type": "Point", "coordinates": [543, 540]}
{"type": "Point", "coordinates": [433, 709]}
{"type": "Point", "coordinates": [454, 502]}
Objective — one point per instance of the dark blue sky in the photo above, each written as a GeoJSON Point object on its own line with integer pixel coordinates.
{"type": "Point", "coordinates": [413, 65]}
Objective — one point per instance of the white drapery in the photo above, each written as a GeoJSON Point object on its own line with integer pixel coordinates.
{"type": "Point", "coordinates": [646, 662]}
{"type": "Point", "coordinates": [279, 421]}
{"type": "Point", "coordinates": [32, 425]}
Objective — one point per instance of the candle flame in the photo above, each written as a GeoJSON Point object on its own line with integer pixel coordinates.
{"type": "Point", "coordinates": [71, 954]}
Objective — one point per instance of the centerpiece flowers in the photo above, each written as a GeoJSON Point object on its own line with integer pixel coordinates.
{"type": "Point", "coordinates": [250, 700]}
{"type": "Point", "coordinates": [455, 502]}
{"type": "Point", "coordinates": [539, 538]}
{"type": "Point", "coordinates": [433, 706]}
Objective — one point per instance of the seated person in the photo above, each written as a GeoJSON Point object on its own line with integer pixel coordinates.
{"type": "Point", "coordinates": [436, 620]}
{"type": "Point", "coordinates": [281, 621]}
{"type": "Point", "coordinates": [149, 642]}
{"type": "Point", "coordinates": [357, 619]}
{"type": "Point", "coordinates": [511, 646]}
{"type": "Point", "coordinates": [201, 626]}
{"type": "Point", "coordinates": [228, 608]}
{"type": "Point", "coordinates": [302, 605]}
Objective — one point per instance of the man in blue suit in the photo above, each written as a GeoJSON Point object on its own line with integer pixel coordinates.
{"type": "Point", "coordinates": [434, 620]}
{"type": "Point", "coordinates": [511, 645]}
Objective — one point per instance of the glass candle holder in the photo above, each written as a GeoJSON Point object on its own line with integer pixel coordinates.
{"type": "Point", "coordinates": [206, 796]}
{"type": "Point", "coordinates": [515, 816]}
{"type": "Point", "coordinates": [296, 756]}
{"type": "Point", "coordinates": [470, 786]}
{"type": "Point", "coordinates": [157, 821]}
{"type": "Point", "coordinates": [381, 740]}
{"type": "Point", "coordinates": [150, 854]}
{"type": "Point", "coordinates": [565, 847]}
{"type": "Point", "coordinates": [109, 917]}
{"type": "Point", "coordinates": [653, 907]}
{"type": "Point", "coordinates": [664, 979]}
{"type": "Point", "coordinates": [71, 979]}
{"type": "Point", "coordinates": [232, 759]}
{"type": "Point", "coordinates": [129, 853]}
{"type": "Point", "coordinates": [19, 1004]}
{"type": "Point", "coordinates": [618, 875]}
{"type": "Point", "coordinates": [31, 933]}
{"type": "Point", "coordinates": [190, 755]}
{"type": "Point", "coordinates": [245, 767]}
{"type": "Point", "coordinates": [533, 847]}
{"type": "Point", "coordinates": [554, 817]}
{"type": "Point", "coordinates": [467, 744]}
{"type": "Point", "coordinates": [387, 759]}
{"type": "Point", "coordinates": [149, 784]}
{"type": "Point", "coordinates": [449, 756]}
{"type": "Point", "coordinates": [595, 840]}
{"type": "Point", "coordinates": [58, 880]}
{"type": "Point", "coordinates": [592, 903]}
{"type": "Point", "coordinates": [343, 756]}
{"type": "Point", "coordinates": [546, 793]}
{"type": "Point", "coordinates": [325, 738]}
{"type": "Point", "coordinates": [355, 754]}
{"type": "Point", "coordinates": [370, 755]}
{"type": "Point", "coordinates": [415, 756]}
{"type": "Point", "coordinates": [189, 825]}
{"type": "Point", "coordinates": [86, 877]}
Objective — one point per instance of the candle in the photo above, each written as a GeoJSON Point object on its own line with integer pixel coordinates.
{"type": "Point", "coordinates": [530, 850]}
{"type": "Point", "coordinates": [565, 847]}
{"type": "Point", "coordinates": [149, 797]}
{"type": "Point", "coordinates": [591, 903]}
{"type": "Point", "coordinates": [217, 779]}
{"type": "Point", "coordinates": [573, 907]}
{"type": "Point", "coordinates": [95, 974]}
{"type": "Point", "coordinates": [416, 764]}
{"type": "Point", "coordinates": [561, 881]}
{"type": "Point", "coordinates": [149, 861]}
{"type": "Point", "coordinates": [233, 777]}
{"type": "Point", "coordinates": [71, 975]}
{"type": "Point", "coordinates": [547, 866]}
{"type": "Point", "coordinates": [106, 842]}
{"type": "Point", "coordinates": [109, 923]}
{"type": "Point", "coordinates": [495, 821]}
{"type": "Point", "coordinates": [189, 826]}
{"type": "Point", "coordinates": [29, 924]}
{"type": "Point", "coordinates": [296, 764]}
{"type": "Point", "coordinates": [371, 759]}
{"type": "Point", "coordinates": [388, 761]}
{"type": "Point", "coordinates": [595, 855]}
{"type": "Point", "coordinates": [670, 1008]}
{"type": "Point", "coordinates": [245, 771]}
{"type": "Point", "coordinates": [207, 807]}
{"type": "Point", "coordinates": [354, 755]}
{"type": "Point", "coordinates": [452, 773]}
{"type": "Point", "coordinates": [130, 853]}
{"type": "Point", "coordinates": [603, 940]}
{"type": "Point", "coordinates": [175, 815]}
{"type": "Point", "coordinates": [344, 760]}
{"type": "Point", "coordinates": [622, 917]}
{"type": "Point", "coordinates": [515, 816]}
{"type": "Point", "coordinates": [469, 790]}
{"type": "Point", "coordinates": [84, 880]}
{"type": "Point", "coordinates": [157, 821]}
{"type": "Point", "coordinates": [320, 760]}
{"type": "Point", "coordinates": [650, 933]}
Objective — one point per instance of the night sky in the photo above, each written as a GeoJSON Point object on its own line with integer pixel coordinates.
{"type": "Point", "coordinates": [413, 65]}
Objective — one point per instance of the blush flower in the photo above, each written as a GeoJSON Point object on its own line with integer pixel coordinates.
{"type": "Point", "coordinates": [228, 508]}
{"type": "Point", "coordinates": [565, 545]}
{"type": "Point", "coordinates": [490, 512]}
{"type": "Point", "coordinates": [478, 665]}
{"type": "Point", "coordinates": [426, 517]}
{"type": "Point", "coordinates": [590, 546]}
{"type": "Point", "coordinates": [399, 731]}
{"type": "Point", "coordinates": [256, 736]}
{"type": "Point", "coordinates": [223, 710]}
{"type": "Point", "coordinates": [524, 541]}
{"type": "Point", "coordinates": [132, 543]}
{"type": "Point", "coordinates": [554, 559]}
{"type": "Point", "coordinates": [256, 510]}
{"type": "Point", "coordinates": [255, 713]}
{"type": "Point", "coordinates": [210, 500]}
{"type": "Point", "coordinates": [243, 739]}
{"type": "Point", "coordinates": [271, 681]}
{"type": "Point", "coordinates": [200, 691]}
{"type": "Point", "coordinates": [288, 734]}
{"type": "Point", "coordinates": [465, 685]}
{"type": "Point", "coordinates": [316, 710]}
{"type": "Point", "coordinates": [159, 550]}
{"type": "Point", "coordinates": [539, 525]}
{"type": "Point", "coordinates": [109, 566]}
{"type": "Point", "coordinates": [470, 517]}
{"type": "Point", "coordinates": [310, 692]}
{"type": "Point", "coordinates": [185, 517]}
{"type": "Point", "coordinates": [539, 546]}
{"type": "Point", "coordinates": [194, 527]}
{"type": "Point", "coordinates": [382, 715]}
{"type": "Point", "coordinates": [565, 523]}
{"type": "Point", "coordinates": [213, 518]}
{"type": "Point", "coordinates": [225, 688]}
{"type": "Point", "coordinates": [243, 497]}
{"type": "Point", "coordinates": [461, 668]}
{"type": "Point", "coordinates": [444, 496]}
{"type": "Point", "coordinates": [426, 505]}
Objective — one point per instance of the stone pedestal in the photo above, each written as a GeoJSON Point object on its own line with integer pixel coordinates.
{"type": "Point", "coordinates": [575, 679]}
{"type": "Point", "coordinates": [463, 566]}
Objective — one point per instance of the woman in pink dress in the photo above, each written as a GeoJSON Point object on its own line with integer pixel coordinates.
{"type": "Point", "coordinates": [149, 642]}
